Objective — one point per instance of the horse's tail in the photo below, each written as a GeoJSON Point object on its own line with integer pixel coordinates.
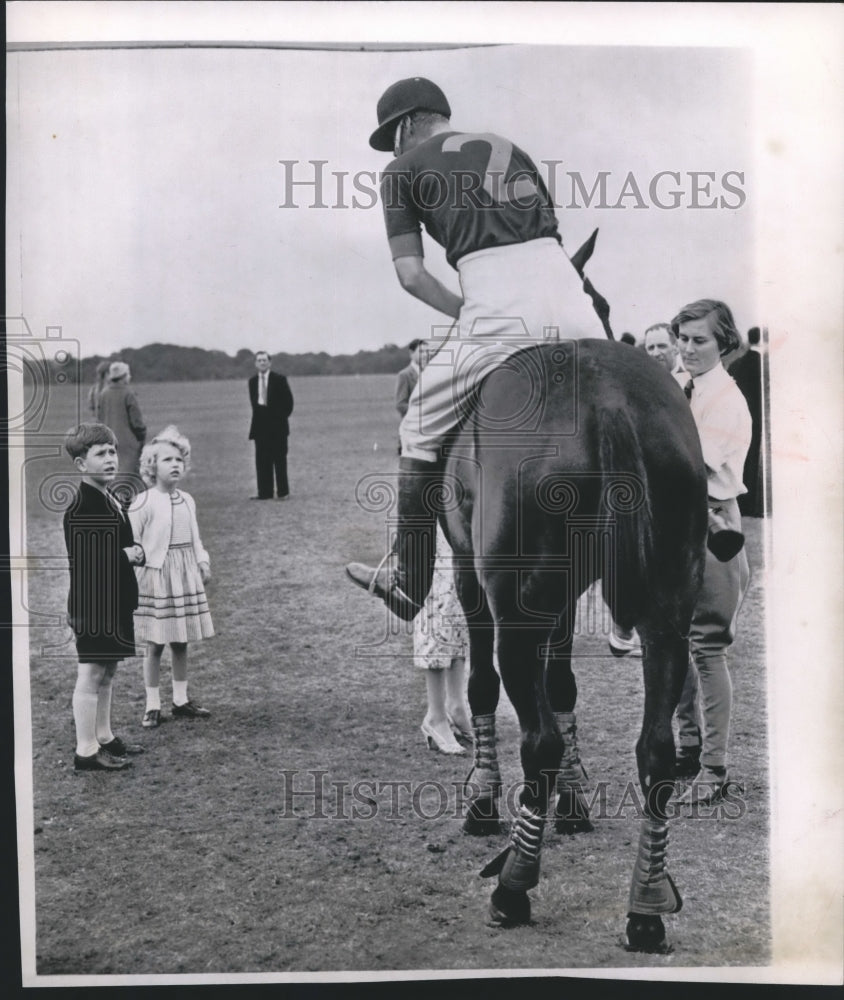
{"type": "Point", "coordinates": [626, 499]}
{"type": "Point", "coordinates": [579, 260]}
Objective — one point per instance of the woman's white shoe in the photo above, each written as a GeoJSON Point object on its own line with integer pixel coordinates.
{"type": "Point", "coordinates": [442, 739]}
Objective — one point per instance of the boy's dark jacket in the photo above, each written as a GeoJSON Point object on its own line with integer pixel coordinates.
{"type": "Point", "coordinates": [103, 588]}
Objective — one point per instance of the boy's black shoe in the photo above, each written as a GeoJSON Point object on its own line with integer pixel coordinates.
{"type": "Point", "coordinates": [117, 748]}
{"type": "Point", "coordinates": [190, 711]}
{"type": "Point", "coordinates": [99, 761]}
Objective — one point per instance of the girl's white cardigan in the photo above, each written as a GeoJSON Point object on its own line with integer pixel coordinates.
{"type": "Point", "coordinates": [151, 516]}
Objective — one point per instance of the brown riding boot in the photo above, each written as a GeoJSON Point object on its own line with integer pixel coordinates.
{"type": "Point", "coordinates": [403, 578]}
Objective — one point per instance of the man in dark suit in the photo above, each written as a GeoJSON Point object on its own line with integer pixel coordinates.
{"type": "Point", "coordinates": [747, 372]}
{"type": "Point", "coordinates": [407, 378]}
{"type": "Point", "coordinates": [272, 404]}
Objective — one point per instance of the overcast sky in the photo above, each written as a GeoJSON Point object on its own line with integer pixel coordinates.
{"type": "Point", "coordinates": [150, 186]}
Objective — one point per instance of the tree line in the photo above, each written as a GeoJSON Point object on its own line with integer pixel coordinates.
{"type": "Point", "coordinates": [172, 363]}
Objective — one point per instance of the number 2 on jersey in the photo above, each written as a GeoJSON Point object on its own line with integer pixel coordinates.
{"type": "Point", "coordinates": [500, 151]}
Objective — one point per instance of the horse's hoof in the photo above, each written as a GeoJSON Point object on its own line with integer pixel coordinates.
{"type": "Point", "coordinates": [647, 934]}
{"type": "Point", "coordinates": [482, 819]}
{"type": "Point", "coordinates": [509, 908]}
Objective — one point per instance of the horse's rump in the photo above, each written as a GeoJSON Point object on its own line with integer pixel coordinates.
{"type": "Point", "coordinates": [582, 455]}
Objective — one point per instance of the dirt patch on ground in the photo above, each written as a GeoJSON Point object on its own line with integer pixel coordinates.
{"type": "Point", "coordinates": [306, 826]}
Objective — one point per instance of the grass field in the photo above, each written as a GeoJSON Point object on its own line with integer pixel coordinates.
{"type": "Point", "coordinates": [215, 854]}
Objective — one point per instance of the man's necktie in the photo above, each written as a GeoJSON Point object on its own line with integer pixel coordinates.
{"type": "Point", "coordinates": [115, 502]}
{"type": "Point", "coordinates": [689, 388]}
{"type": "Point", "coordinates": [263, 399]}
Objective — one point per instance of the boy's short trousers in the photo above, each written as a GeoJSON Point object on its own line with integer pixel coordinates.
{"type": "Point", "coordinates": [107, 647]}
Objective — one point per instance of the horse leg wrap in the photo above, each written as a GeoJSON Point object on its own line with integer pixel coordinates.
{"type": "Point", "coordinates": [517, 868]}
{"type": "Point", "coordinates": [521, 866]}
{"type": "Point", "coordinates": [652, 890]}
{"type": "Point", "coordinates": [571, 778]}
{"type": "Point", "coordinates": [485, 775]}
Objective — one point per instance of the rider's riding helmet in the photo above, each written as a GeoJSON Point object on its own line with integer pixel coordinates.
{"type": "Point", "coordinates": [414, 94]}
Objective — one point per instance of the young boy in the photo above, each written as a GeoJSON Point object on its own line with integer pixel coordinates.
{"type": "Point", "coordinates": [103, 594]}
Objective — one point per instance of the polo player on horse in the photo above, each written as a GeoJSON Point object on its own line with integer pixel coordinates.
{"type": "Point", "coordinates": [481, 198]}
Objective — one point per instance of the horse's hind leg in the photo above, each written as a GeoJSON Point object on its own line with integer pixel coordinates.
{"type": "Point", "coordinates": [652, 890]}
{"type": "Point", "coordinates": [571, 811]}
{"type": "Point", "coordinates": [522, 670]}
{"type": "Point", "coordinates": [483, 785]}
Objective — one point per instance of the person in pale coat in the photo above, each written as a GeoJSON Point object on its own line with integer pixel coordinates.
{"type": "Point", "coordinates": [118, 409]}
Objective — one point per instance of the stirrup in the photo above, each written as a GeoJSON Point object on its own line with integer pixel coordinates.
{"type": "Point", "coordinates": [400, 603]}
{"type": "Point", "coordinates": [378, 568]}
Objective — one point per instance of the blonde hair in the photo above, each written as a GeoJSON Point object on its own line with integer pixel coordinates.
{"type": "Point", "coordinates": [149, 456]}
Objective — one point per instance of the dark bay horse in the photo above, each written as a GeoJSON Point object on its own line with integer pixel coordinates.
{"type": "Point", "coordinates": [579, 461]}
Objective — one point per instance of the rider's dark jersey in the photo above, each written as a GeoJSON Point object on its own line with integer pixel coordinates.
{"type": "Point", "coordinates": [470, 191]}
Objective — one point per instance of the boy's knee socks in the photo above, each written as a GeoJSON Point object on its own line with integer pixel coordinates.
{"type": "Point", "coordinates": [85, 720]}
{"type": "Point", "coordinates": [104, 733]}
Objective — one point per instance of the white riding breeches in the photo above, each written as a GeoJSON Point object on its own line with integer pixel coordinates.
{"type": "Point", "coordinates": [513, 296]}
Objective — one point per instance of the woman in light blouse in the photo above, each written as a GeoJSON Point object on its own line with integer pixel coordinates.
{"type": "Point", "coordinates": [706, 332]}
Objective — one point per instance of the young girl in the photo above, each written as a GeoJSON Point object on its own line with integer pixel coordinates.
{"type": "Point", "coordinates": [172, 606]}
